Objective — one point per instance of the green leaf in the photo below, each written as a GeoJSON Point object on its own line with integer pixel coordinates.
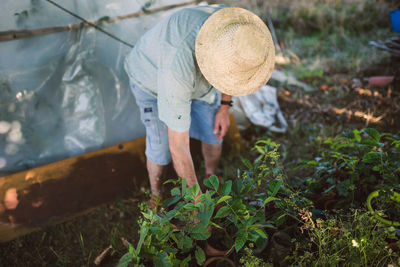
{"type": "Point", "coordinates": [143, 233]}
{"type": "Point", "coordinates": [280, 220]}
{"type": "Point", "coordinates": [372, 156]}
{"type": "Point", "coordinates": [311, 163]}
{"type": "Point", "coordinates": [125, 260]}
{"type": "Point", "coordinates": [183, 186]}
{"type": "Point", "coordinates": [268, 142]}
{"type": "Point", "coordinates": [200, 256]}
{"type": "Point", "coordinates": [171, 201]}
{"type": "Point", "coordinates": [207, 183]}
{"type": "Point", "coordinates": [173, 181]}
{"type": "Point", "coordinates": [222, 212]}
{"type": "Point", "coordinates": [373, 133]}
{"type": "Point", "coordinates": [184, 242]}
{"type": "Point", "coordinates": [223, 199]}
{"type": "Point", "coordinates": [377, 168]}
{"type": "Point", "coordinates": [329, 189]}
{"type": "Point", "coordinates": [357, 135]}
{"type": "Point", "coordinates": [189, 206]}
{"type": "Point", "coordinates": [247, 163]}
{"type": "Point", "coordinates": [131, 249]}
{"type": "Point", "coordinates": [205, 216]}
{"type": "Point", "coordinates": [273, 187]}
{"type": "Point", "coordinates": [185, 262]}
{"type": "Point", "coordinates": [259, 149]}
{"type": "Point", "coordinates": [260, 196]}
{"type": "Point", "coordinates": [261, 233]}
{"type": "Point", "coordinates": [214, 182]}
{"type": "Point", "coordinates": [147, 216]}
{"type": "Point", "coordinates": [187, 242]}
{"type": "Point", "coordinates": [175, 191]}
{"type": "Point", "coordinates": [170, 214]}
{"type": "Point", "coordinates": [369, 142]}
{"type": "Point", "coordinates": [263, 225]}
{"type": "Point", "coordinates": [241, 239]}
{"type": "Point", "coordinates": [180, 243]}
{"type": "Point", "coordinates": [195, 189]}
{"type": "Point", "coordinates": [199, 233]}
{"type": "Point", "coordinates": [237, 186]}
{"type": "Point", "coordinates": [208, 198]}
{"type": "Point", "coordinates": [269, 199]}
{"type": "Point", "coordinates": [253, 237]}
{"type": "Point", "coordinates": [188, 194]}
{"type": "Point", "coordinates": [226, 188]}
{"type": "Point", "coordinates": [162, 260]}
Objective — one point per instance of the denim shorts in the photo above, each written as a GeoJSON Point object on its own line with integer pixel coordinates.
{"type": "Point", "coordinates": [157, 147]}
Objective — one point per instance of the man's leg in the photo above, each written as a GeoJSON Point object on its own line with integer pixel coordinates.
{"type": "Point", "coordinates": [211, 155]}
{"type": "Point", "coordinates": [202, 128]}
{"type": "Point", "coordinates": [157, 148]}
{"type": "Point", "coordinates": [155, 172]}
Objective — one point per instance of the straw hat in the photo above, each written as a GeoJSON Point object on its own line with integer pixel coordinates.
{"type": "Point", "coordinates": [235, 51]}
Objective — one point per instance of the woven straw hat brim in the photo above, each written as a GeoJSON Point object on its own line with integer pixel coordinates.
{"type": "Point", "coordinates": [235, 73]}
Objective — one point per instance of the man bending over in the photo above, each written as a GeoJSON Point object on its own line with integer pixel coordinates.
{"type": "Point", "coordinates": [183, 73]}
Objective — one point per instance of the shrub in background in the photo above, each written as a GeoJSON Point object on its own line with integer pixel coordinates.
{"type": "Point", "coordinates": [353, 165]}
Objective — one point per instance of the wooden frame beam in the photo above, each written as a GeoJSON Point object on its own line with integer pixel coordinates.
{"type": "Point", "coordinates": [18, 34]}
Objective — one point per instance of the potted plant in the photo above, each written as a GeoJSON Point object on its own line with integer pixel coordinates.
{"type": "Point", "coordinates": [225, 217]}
{"type": "Point", "coordinates": [170, 233]}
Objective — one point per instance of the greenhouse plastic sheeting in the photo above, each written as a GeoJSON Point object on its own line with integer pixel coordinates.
{"type": "Point", "coordinates": [66, 93]}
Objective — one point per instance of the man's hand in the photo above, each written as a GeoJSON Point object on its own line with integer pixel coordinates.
{"type": "Point", "coordinates": [222, 122]}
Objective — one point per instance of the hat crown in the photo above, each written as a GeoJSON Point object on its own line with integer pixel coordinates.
{"type": "Point", "coordinates": [235, 51]}
{"type": "Point", "coordinates": [243, 44]}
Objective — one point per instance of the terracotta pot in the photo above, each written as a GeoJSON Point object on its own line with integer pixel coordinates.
{"type": "Point", "coordinates": [212, 252]}
{"type": "Point", "coordinates": [224, 259]}
{"type": "Point", "coordinates": [326, 202]}
{"type": "Point", "coordinates": [393, 246]}
{"type": "Point", "coordinates": [381, 80]}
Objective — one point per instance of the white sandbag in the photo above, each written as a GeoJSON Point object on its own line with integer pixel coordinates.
{"type": "Point", "coordinates": [260, 108]}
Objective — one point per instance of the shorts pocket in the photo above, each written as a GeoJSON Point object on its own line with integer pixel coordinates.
{"type": "Point", "coordinates": [152, 123]}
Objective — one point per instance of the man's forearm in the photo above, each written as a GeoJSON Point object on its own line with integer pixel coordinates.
{"type": "Point", "coordinates": [183, 165]}
{"type": "Point", "coordinates": [181, 157]}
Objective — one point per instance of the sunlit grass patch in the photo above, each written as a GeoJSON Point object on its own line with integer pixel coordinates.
{"type": "Point", "coordinates": [333, 52]}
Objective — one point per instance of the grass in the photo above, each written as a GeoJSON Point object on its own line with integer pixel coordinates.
{"type": "Point", "coordinates": [332, 36]}
{"type": "Point", "coordinates": [324, 53]}
{"type": "Point", "coordinates": [328, 36]}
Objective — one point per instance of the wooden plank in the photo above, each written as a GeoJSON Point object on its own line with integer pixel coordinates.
{"type": "Point", "coordinates": [58, 191]}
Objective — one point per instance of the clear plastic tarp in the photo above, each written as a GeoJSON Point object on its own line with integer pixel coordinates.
{"type": "Point", "coordinates": [66, 93]}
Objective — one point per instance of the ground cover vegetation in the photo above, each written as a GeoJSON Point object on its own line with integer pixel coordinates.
{"type": "Point", "coordinates": [292, 199]}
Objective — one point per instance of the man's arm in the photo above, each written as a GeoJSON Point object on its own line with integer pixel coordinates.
{"type": "Point", "coordinates": [222, 122]}
{"type": "Point", "coordinates": [181, 157]}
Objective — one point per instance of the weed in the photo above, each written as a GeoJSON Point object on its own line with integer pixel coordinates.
{"type": "Point", "coordinates": [355, 238]}
{"type": "Point", "coordinates": [249, 260]}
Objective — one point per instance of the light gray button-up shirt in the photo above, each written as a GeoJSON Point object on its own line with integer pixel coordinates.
{"type": "Point", "coordinates": [163, 64]}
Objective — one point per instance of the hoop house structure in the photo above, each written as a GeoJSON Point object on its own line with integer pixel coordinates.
{"type": "Point", "coordinates": [70, 132]}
